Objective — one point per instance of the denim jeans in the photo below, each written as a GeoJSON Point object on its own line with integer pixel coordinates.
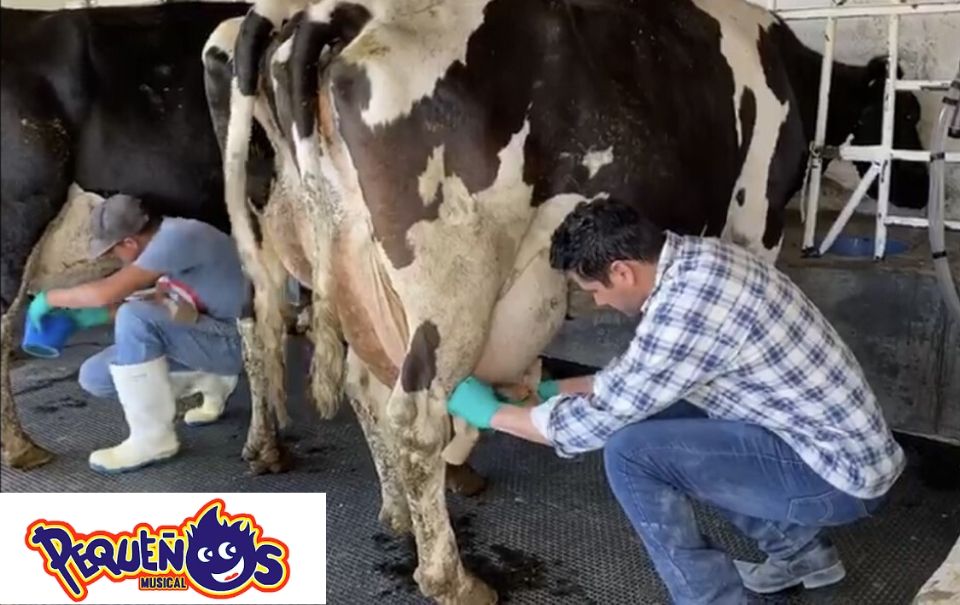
{"type": "Point", "coordinates": [747, 473]}
{"type": "Point", "coordinates": [144, 331]}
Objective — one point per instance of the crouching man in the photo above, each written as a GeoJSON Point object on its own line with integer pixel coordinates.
{"type": "Point", "coordinates": [735, 391]}
{"type": "Point", "coordinates": [176, 339]}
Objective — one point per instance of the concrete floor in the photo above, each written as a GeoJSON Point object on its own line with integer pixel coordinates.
{"type": "Point", "coordinates": [546, 531]}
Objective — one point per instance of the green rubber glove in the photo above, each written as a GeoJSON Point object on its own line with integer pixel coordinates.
{"type": "Point", "coordinates": [38, 308]}
{"type": "Point", "coordinates": [90, 317]}
{"type": "Point", "coordinates": [474, 401]}
{"type": "Point", "coordinates": [548, 389]}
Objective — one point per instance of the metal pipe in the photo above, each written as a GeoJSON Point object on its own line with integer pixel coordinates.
{"type": "Point", "coordinates": [936, 202]}
{"type": "Point", "coordinates": [820, 135]}
{"type": "Point", "coordinates": [923, 84]}
{"type": "Point", "coordinates": [922, 223]}
{"type": "Point", "coordinates": [849, 207]}
{"type": "Point", "coordinates": [876, 153]}
{"type": "Point", "coordinates": [852, 11]}
{"type": "Point", "coordinates": [889, 108]}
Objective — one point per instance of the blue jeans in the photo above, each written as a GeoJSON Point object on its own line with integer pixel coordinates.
{"type": "Point", "coordinates": [144, 331]}
{"type": "Point", "coordinates": [746, 472]}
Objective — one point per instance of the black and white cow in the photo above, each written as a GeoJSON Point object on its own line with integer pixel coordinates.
{"type": "Point", "coordinates": [112, 99]}
{"type": "Point", "coordinates": [856, 113]}
{"type": "Point", "coordinates": [425, 150]}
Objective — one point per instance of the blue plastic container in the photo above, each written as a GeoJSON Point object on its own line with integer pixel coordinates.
{"type": "Point", "coordinates": [846, 245]}
{"type": "Point", "coordinates": [48, 341]}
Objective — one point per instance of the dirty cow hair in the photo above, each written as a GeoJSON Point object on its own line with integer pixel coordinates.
{"type": "Point", "coordinates": [596, 234]}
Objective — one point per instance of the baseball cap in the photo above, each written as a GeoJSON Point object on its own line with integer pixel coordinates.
{"type": "Point", "coordinates": [115, 218]}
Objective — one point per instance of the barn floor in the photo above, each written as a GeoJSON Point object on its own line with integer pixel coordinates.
{"type": "Point", "coordinates": [545, 531]}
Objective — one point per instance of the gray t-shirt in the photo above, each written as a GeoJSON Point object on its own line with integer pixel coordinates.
{"type": "Point", "coordinates": [204, 259]}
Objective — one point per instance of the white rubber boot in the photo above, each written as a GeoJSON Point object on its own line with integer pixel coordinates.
{"type": "Point", "coordinates": [149, 407]}
{"type": "Point", "coordinates": [215, 388]}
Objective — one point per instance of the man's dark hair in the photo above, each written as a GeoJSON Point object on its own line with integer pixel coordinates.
{"type": "Point", "coordinates": [596, 234]}
{"type": "Point", "coordinates": [153, 222]}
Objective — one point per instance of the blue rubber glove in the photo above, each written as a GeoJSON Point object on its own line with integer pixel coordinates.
{"type": "Point", "coordinates": [474, 401]}
{"type": "Point", "coordinates": [90, 317]}
{"type": "Point", "coordinates": [548, 389]}
{"type": "Point", "coordinates": [38, 308]}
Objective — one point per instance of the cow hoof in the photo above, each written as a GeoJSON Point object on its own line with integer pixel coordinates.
{"type": "Point", "coordinates": [464, 480]}
{"type": "Point", "coordinates": [27, 457]}
{"type": "Point", "coordinates": [471, 592]}
{"type": "Point", "coordinates": [396, 520]}
{"type": "Point", "coordinates": [263, 458]}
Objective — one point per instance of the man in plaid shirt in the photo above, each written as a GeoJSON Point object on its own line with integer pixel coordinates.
{"type": "Point", "coordinates": [735, 391]}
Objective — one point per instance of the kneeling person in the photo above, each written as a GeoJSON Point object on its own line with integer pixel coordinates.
{"type": "Point", "coordinates": [735, 391]}
{"type": "Point", "coordinates": [180, 340]}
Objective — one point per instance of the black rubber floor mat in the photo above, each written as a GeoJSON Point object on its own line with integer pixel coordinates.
{"type": "Point", "coordinates": [547, 531]}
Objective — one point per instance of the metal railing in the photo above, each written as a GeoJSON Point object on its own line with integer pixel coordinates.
{"type": "Point", "coordinates": [880, 156]}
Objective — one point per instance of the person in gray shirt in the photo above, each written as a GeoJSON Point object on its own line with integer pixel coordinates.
{"type": "Point", "coordinates": [174, 307]}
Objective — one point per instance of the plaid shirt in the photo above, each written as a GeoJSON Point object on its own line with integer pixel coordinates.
{"type": "Point", "coordinates": [729, 333]}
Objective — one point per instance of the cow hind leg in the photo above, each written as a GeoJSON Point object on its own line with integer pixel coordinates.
{"type": "Point", "coordinates": [18, 450]}
{"type": "Point", "coordinates": [368, 396]}
{"type": "Point", "coordinates": [440, 573]}
{"type": "Point", "coordinates": [264, 350]}
{"type": "Point", "coordinates": [420, 427]}
{"type": "Point", "coordinates": [262, 450]}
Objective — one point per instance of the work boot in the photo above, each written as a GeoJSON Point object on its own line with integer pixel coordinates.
{"type": "Point", "coordinates": [817, 565]}
{"type": "Point", "coordinates": [147, 398]}
{"type": "Point", "coordinates": [215, 389]}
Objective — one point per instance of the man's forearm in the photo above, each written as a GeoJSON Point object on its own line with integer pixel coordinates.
{"type": "Point", "coordinates": [113, 289]}
{"type": "Point", "coordinates": [516, 421]}
{"type": "Point", "coordinates": [78, 297]}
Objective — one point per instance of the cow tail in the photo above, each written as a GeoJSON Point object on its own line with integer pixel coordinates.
{"type": "Point", "coordinates": [251, 43]}
{"type": "Point", "coordinates": [235, 175]}
{"type": "Point", "coordinates": [310, 39]}
{"type": "Point", "coordinates": [252, 40]}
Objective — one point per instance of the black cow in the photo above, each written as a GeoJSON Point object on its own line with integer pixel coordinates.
{"type": "Point", "coordinates": [856, 111]}
{"type": "Point", "coordinates": [112, 99]}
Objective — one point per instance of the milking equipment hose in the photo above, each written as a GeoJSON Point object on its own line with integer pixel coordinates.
{"type": "Point", "coordinates": [949, 120]}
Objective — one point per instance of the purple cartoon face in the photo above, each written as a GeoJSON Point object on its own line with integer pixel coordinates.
{"type": "Point", "coordinates": [221, 557]}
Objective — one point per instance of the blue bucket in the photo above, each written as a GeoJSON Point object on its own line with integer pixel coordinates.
{"type": "Point", "coordinates": [48, 341]}
{"type": "Point", "coordinates": [847, 245]}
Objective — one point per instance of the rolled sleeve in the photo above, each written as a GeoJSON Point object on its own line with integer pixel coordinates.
{"type": "Point", "coordinates": [540, 417]}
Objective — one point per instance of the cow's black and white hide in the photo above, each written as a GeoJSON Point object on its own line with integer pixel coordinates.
{"type": "Point", "coordinates": [425, 152]}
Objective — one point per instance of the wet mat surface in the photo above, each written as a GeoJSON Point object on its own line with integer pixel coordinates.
{"type": "Point", "coordinates": [547, 531]}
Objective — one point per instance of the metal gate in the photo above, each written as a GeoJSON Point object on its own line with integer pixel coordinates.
{"type": "Point", "coordinates": [880, 156]}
